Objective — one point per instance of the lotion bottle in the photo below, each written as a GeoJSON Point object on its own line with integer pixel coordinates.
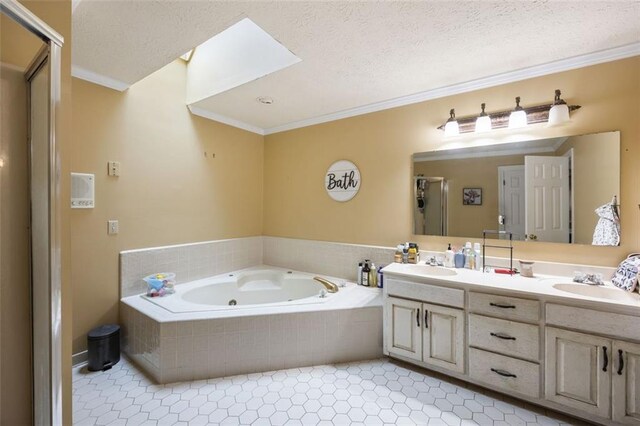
{"type": "Point", "coordinates": [373, 275]}
{"type": "Point", "coordinates": [468, 254]}
{"type": "Point", "coordinates": [449, 257]}
{"type": "Point", "coordinates": [476, 249]}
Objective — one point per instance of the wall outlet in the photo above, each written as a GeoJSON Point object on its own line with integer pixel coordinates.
{"type": "Point", "coordinates": [112, 227]}
{"type": "Point", "coordinates": [113, 168]}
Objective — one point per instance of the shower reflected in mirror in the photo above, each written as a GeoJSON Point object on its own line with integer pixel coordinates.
{"type": "Point", "coordinates": [430, 204]}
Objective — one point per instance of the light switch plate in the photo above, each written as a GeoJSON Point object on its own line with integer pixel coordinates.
{"type": "Point", "coordinates": [113, 168]}
{"type": "Point", "coordinates": [113, 227]}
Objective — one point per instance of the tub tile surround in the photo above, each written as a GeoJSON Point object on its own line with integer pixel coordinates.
{"type": "Point", "coordinates": [206, 259]}
{"type": "Point", "coordinates": [189, 261]}
{"type": "Point", "coordinates": [198, 349]}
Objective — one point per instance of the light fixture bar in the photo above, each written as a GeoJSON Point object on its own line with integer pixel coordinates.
{"type": "Point", "coordinates": [500, 119]}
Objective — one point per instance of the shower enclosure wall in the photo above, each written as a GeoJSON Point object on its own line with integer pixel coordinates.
{"type": "Point", "coordinates": [430, 205]}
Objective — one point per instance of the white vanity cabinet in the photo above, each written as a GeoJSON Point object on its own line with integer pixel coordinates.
{"type": "Point", "coordinates": [626, 383]}
{"type": "Point", "coordinates": [421, 331]}
{"type": "Point", "coordinates": [580, 357]}
{"type": "Point", "coordinates": [402, 323]}
{"type": "Point", "coordinates": [594, 374]}
{"type": "Point", "coordinates": [578, 371]}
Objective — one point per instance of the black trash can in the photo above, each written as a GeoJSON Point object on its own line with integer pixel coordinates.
{"type": "Point", "coordinates": [103, 345]}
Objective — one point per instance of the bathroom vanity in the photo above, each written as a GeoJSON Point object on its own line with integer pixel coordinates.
{"type": "Point", "coordinates": [573, 348]}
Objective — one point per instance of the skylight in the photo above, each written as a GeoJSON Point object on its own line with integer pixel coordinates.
{"type": "Point", "coordinates": [242, 53]}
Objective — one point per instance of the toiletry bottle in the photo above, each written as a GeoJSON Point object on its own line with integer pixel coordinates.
{"type": "Point", "coordinates": [397, 258]}
{"type": "Point", "coordinates": [405, 254]}
{"type": "Point", "coordinates": [467, 255]}
{"type": "Point", "coordinates": [412, 254]}
{"type": "Point", "coordinates": [472, 259]}
{"type": "Point", "coordinates": [448, 257]}
{"type": "Point", "coordinates": [380, 276]}
{"type": "Point", "coordinates": [359, 277]}
{"type": "Point", "coordinates": [373, 275]}
{"type": "Point", "coordinates": [478, 251]}
{"type": "Point", "coordinates": [459, 259]}
{"type": "Point", "coordinates": [365, 273]}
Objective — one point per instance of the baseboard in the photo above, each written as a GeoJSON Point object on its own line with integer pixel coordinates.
{"type": "Point", "coordinates": [79, 358]}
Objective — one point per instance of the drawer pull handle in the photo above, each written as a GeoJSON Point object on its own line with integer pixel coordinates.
{"type": "Point", "coordinates": [418, 317]}
{"type": "Point", "coordinates": [426, 319]}
{"type": "Point", "coordinates": [503, 373]}
{"type": "Point", "coordinates": [620, 362]}
{"type": "Point", "coordinates": [502, 336]}
{"type": "Point", "coordinates": [503, 306]}
{"type": "Point", "coordinates": [606, 359]}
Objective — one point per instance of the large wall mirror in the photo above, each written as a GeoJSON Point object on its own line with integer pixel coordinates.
{"type": "Point", "coordinates": [563, 190]}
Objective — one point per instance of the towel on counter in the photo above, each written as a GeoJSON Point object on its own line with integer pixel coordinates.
{"type": "Point", "coordinates": [607, 232]}
{"type": "Point", "coordinates": [626, 277]}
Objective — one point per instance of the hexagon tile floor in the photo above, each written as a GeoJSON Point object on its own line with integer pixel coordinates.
{"type": "Point", "coordinates": [368, 393]}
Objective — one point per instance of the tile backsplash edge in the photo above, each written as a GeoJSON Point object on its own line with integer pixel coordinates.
{"type": "Point", "coordinates": [208, 258]}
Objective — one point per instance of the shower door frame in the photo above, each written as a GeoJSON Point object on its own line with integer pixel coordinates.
{"type": "Point", "coordinates": [50, 411]}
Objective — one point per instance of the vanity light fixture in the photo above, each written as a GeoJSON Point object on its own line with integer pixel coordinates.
{"type": "Point", "coordinates": [518, 117]}
{"type": "Point", "coordinates": [559, 112]}
{"type": "Point", "coordinates": [451, 127]}
{"type": "Point", "coordinates": [483, 122]}
{"type": "Point", "coordinates": [554, 114]}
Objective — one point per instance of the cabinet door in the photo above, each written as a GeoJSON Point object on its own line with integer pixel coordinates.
{"type": "Point", "coordinates": [403, 327]}
{"type": "Point", "coordinates": [578, 371]}
{"type": "Point", "coordinates": [626, 383]}
{"type": "Point", "coordinates": [443, 337]}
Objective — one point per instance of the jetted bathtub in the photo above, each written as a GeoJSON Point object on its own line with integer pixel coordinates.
{"type": "Point", "coordinates": [246, 289]}
{"type": "Point", "coordinates": [257, 319]}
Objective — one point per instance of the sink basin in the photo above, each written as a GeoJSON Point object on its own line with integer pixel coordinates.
{"type": "Point", "coordinates": [611, 293]}
{"type": "Point", "coordinates": [434, 271]}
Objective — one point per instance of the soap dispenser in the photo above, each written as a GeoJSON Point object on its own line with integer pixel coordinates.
{"type": "Point", "coordinates": [449, 257]}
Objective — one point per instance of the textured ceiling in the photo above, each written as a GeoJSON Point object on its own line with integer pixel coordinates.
{"type": "Point", "coordinates": [353, 53]}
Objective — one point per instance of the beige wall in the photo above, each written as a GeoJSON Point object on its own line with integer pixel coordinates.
{"type": "Point", "coordinates": [596, 175]}
{"type": "Point", "coordinates": [18, 48]}
{"type": "Point", "coordinates": [169, 191]}
{"type": "Point", "coordinates": [381, 144]}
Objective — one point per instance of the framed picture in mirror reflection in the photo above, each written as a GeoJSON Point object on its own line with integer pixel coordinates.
{"type": "Point", "coordinates": [472, 196]}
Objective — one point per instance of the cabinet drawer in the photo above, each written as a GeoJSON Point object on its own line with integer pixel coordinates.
{"type": "Point", "coordinates": [425, 292]}
{"type": "Point", "coordinates": [611, 324]}
{"type": "Point", "coordinates": [505, 373]}
{"type": "Point", "coordinates": [505, 306]}
{"type": "Point", "coordinates": [505, 337]}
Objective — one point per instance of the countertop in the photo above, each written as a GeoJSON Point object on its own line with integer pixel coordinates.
{"type": "Point", "coordinates": [540, 286]}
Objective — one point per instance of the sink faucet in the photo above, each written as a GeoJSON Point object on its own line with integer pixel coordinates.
{"type": "Point", "coordinates": [590, 279]}
{"type": "Point", "coordinates": [331, 287]}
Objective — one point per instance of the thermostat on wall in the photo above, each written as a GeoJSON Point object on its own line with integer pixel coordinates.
{"type": "Point", "coordinates": [82, 191]}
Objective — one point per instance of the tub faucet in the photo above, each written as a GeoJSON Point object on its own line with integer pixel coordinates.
{"type": "Point", "coordinates": [331, 287]}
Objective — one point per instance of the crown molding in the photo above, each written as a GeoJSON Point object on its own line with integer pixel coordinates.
{"type": "Point", "coordinates": [225, 120]}
{"type": "Point", "coordinates": [98, 79]}
{"type": "Point", "coordinates": [580, 61]}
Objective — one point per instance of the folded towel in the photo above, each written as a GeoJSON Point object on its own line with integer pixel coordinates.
{"type": "Point", "coordinates": [626, 277]}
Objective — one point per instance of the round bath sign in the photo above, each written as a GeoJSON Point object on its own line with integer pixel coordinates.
{"type": "Point", "coordinates": [342, 180]}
